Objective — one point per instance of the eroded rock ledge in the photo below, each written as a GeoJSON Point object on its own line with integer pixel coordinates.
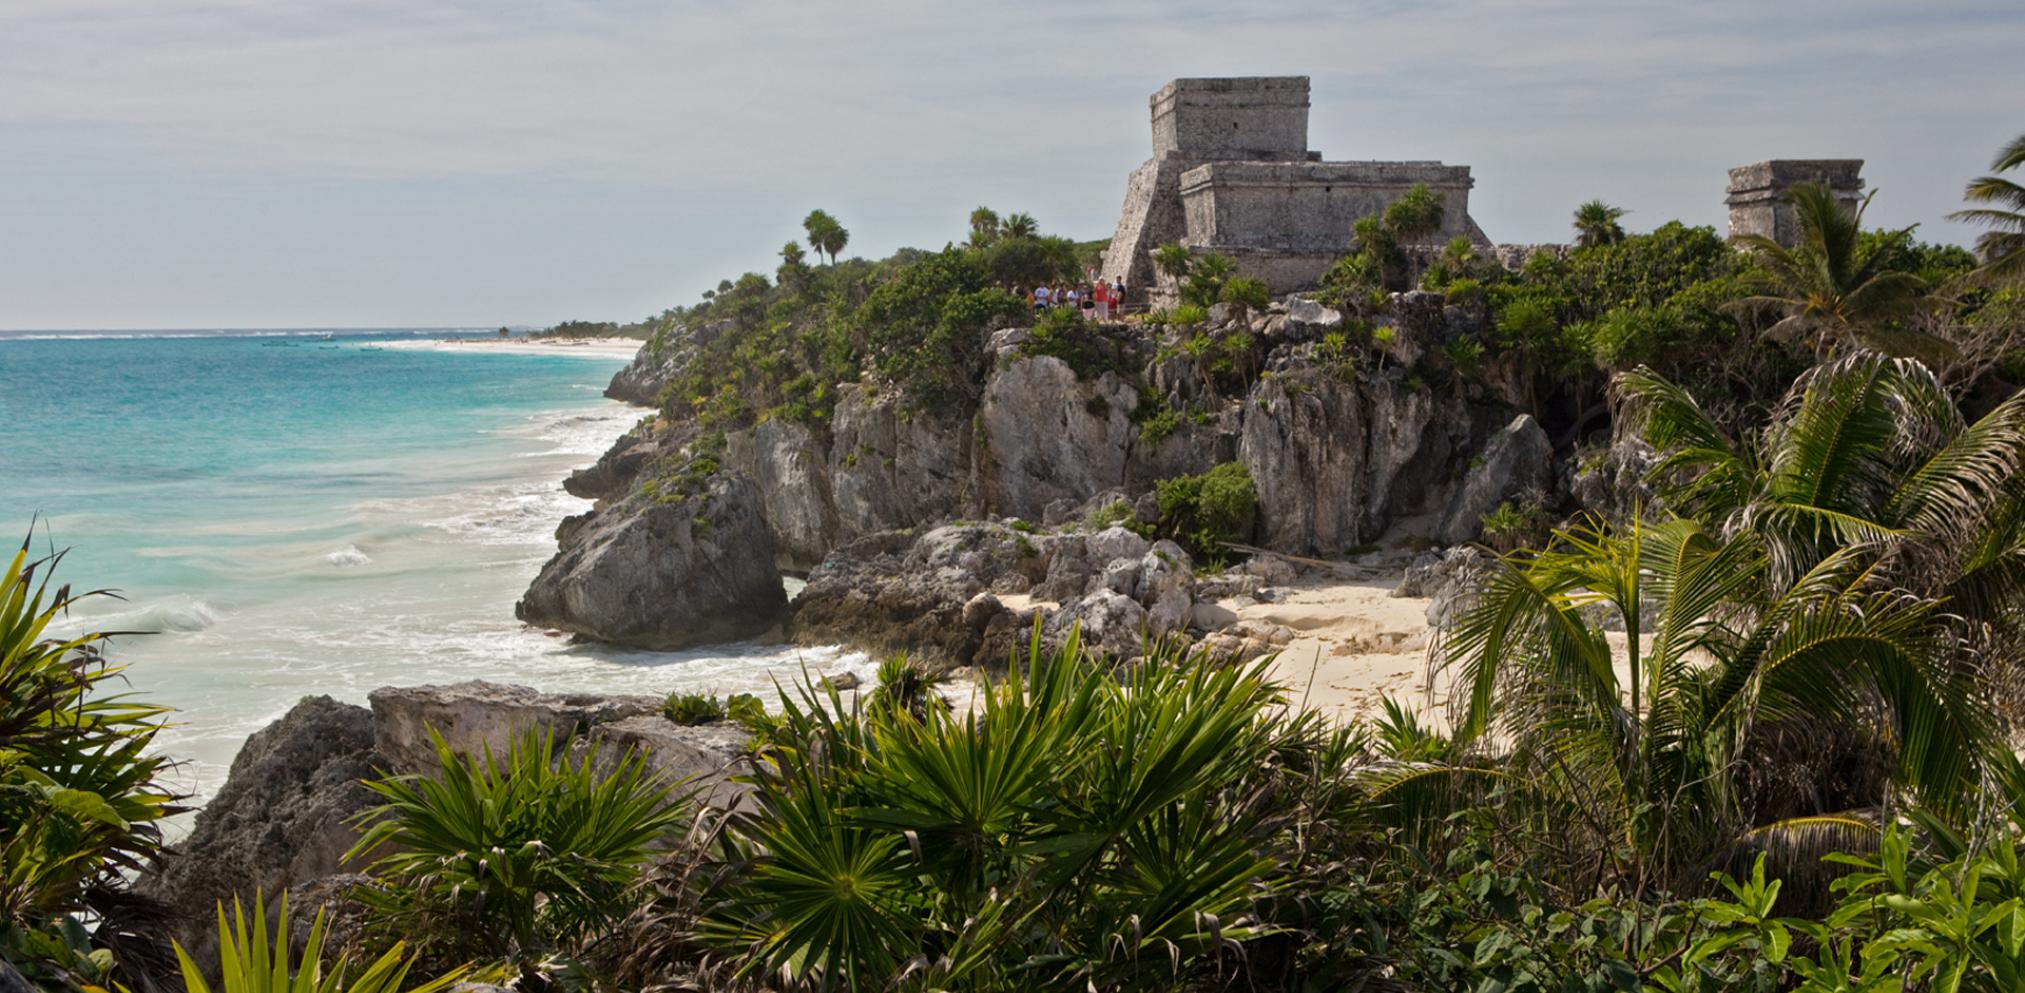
{"type": "Point", "coordinates": [283, 818]}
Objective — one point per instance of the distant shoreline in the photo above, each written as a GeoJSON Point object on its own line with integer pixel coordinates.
{"type": "Point", "coordinates": [604, 348]}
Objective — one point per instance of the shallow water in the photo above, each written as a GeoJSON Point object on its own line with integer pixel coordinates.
{"type": "Point", "coordinates": [289, 516]}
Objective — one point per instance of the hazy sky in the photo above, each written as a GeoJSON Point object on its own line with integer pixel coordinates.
{"type": "Point", "coordinates": [230, 163]}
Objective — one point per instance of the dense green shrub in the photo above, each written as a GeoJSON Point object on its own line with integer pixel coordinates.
{"type": "Point", "coordinates": [1205, 511]}
{"type": "Point", "coordinates": [1063, 334]}
{"type": "Point", "coordinates": [1117, 513]}
{"type": "Point", "coordinates": [693, 708]}
{"type": "Point", "coordinates": [514, 858]}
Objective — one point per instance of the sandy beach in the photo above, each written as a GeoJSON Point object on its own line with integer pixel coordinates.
{"type": "Point", "coordinates": [603, 348]}
{"type": "Point", "coordinates": [1354, 644]}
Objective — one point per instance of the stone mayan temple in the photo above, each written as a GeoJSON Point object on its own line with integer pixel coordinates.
{"type": "Point", "coordinates": [1757, 200]}
{"type": "Point", "coordinates": [1231, 173]}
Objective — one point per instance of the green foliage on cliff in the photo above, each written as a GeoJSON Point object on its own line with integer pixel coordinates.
{"type": "Point", "coordinates": [693, 708]}
{"type": "Point", "coordinates": [756, 349]}
{"type": "Point", "coordinates": [1062, 333]}
{"type": "Point", "coordinates": [1203, 512]}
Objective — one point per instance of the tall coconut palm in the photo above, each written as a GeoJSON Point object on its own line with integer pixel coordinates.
{"type": "Point", "coordinates": [1596, 224]}
{"type": "Point", "coordinates": [826, 235]}
{"type": "Point", "coordinates": [1863, 451]}
{"type": "Point", "coordinates": [2002, 248]}
{"type": "Point", "coordinates": [1829, 288]}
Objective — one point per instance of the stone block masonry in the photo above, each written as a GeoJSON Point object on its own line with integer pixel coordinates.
{"type": "Point", "coordinates": [1231, 173]}
{"type": "Point", "coordinates": [1757, 194]}
{"type": "Point", "coordinates": [1263, 117]}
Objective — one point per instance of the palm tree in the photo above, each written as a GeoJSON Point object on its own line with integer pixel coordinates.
{"type": "Point", "coordinates": [1172, 259]}
{"type": "Point", "coordinates": [1864, 451]}
{"type": "Point", "coordinates": [825, 234]}
{"type": "Point", "coordinates": [1021, 225]}
{"type": "Point", "coordinates": [1645, 744]}
{"type": "Point", "coordinates": [1832, 289]}
{"type": "Point", "coordinates": [793, 264]}
{"type": "Point", "coordinates": [2003, 246]}
{"type": "Point", "coordinates": [1596, 224]}
{"type": "Point", "coordinates": [984, 226]}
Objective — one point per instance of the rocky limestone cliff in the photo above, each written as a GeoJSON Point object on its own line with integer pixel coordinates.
{"type": "Point", "coordinates": [1342, 442]}
{"type": "Point", "coordinates": [661, 573]}
{"type": "Point", "coordinates": [970, 594]}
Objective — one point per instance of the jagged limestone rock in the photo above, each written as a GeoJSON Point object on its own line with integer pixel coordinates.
{"type": "Point", "coordinates": [1110, 622]}
{"type": "Point", "coordinates": [890, 468]}
{"type": "Point", "coordinates": [1166, 588]}
{"type": "Point", "coordinates": [280, 821]}
{"type": "Point", "coordinates": [665, 574]}
{"type": "Point", "coordinates": [788, 464]}
{"type": "Point", "coordinates": [1516, 463]}
{"type": "Point", "coordinates": [476, 715]}
{"type": "Point", "coordinates": [1048, 436]}
{"type": "Point", "coordinates": [1304, 444]}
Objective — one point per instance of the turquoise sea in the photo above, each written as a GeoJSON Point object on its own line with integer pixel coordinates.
{"type": "Point", "coordinates": [287, 515]}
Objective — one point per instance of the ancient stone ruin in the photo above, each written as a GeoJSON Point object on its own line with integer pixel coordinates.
{"type": "Point", "coordinates": [1757, 200]}
{"type": "Point", "coordinates": [1231, 173]}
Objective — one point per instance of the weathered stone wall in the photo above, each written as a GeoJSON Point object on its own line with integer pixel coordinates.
{"type": "Point", "coordinates": [1310, 206]}
{"type": "Point", "coordinates": [1757, 193]}
{"type": "Point", "coordinates": [1231, 172]}
{"type": "Point", "coordinates": [1256, 117]}
{"type": "Point", "coordinates": [1150, 218]}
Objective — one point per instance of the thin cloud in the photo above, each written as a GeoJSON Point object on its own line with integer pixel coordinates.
{"type": "Point", "coordinates": [712, 127]}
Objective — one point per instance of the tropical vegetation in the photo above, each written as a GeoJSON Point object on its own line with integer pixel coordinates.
{"type": "Point", "coordinates": [1757, 732]}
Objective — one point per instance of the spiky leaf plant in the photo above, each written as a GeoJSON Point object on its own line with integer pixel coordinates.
{"type": "Point", "coordinates": [249, 962]}
{"type": "Point", "coordinates": [517, 857]}
{"type": "Point", "coordinates": [81, 793]}
{"type": "Point", "coordinates": [1077, 827]}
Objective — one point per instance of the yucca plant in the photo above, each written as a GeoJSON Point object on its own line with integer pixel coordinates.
{"type": "Point", "coordinates": [249, 962]}
{"type": "Point", "coordinates": [513, 858]}
{"type": "Point", "coordinates": [1078, 827]}
{"type": "Point", "coordinates": [81, 796]}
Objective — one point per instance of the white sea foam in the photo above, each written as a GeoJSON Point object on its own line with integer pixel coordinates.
{"type": "Point", "coordinates": [179, 614]}
{"type": "Point", "coordinates": [350, 555]}
{"type": "Point", "coordinates": [579, 432]}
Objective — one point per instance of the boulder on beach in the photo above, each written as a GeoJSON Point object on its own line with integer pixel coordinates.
{"type": "Point", "coordinates": [664, 574]}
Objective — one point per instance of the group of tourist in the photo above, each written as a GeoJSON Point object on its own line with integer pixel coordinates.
{"type": "Point", "coordinates": [1098, 300]}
